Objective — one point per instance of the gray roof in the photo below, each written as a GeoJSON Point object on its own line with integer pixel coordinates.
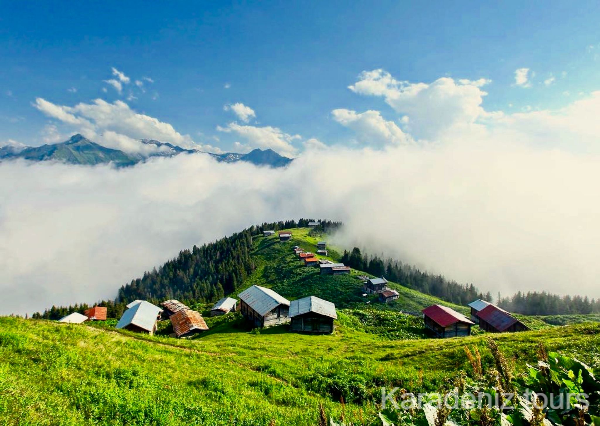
{"type": "Point", "coordinates": [312, 304]}
{"type": "Point", "coordinates": [142, 315]}
{"type": "Point", "coordinates": [313, 223]}
{"type": "Point", "coordinates": [135, 302]}
{"type": "Point", "coordinates": [479, 304]}
{"type": "Point", "coordinates": [262, 300]}
{"type": "Point", "coordinates": [377, 280]}
{"type": "Point", "coordinates": [321, 242]}
{"type": "Point", "coordinates": [332, 265]}
{"type": "Point", "coordinates": [74, 318]}
{"type": "Point", "coordinates": [226, 304]}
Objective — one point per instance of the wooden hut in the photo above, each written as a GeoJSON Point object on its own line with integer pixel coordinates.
{"type": "Point", "coordinates": [268, 233]}
{"type": "Point", "coordinates": [97, 313]}
{"type": "Point", "coordinates": [263, 307]}
{"type": "Point", "coordinates": [340, 270]}
{"type": "Point", "coordinates": [304, 255]}
{"type": "Point", "coordinates": [388, 295]}
{"type": "Point", "coordinates": [327, 268]}
{"type": "Point", "coordinates": [477, 306]}
{"type": "Point", "coordinates": [311, 261]}
{"type": "Point", "coordinates": [322, 252]}
{"type": "Point", "coordinates": [285, 236]}
{"type": "Point", "coordinates": [171, 307]}
{"type": "Point", "coordinates": [223, 306]}
{"type": "Point", "coordinates": [74, 318]}
{"type": "Point", "coordinates": [141, 317]}
{"type": "Point", "coordinates": [313, 224]}
{"type": "Point", "coordinates": [375, 285]}
{"type": "Point", "coordinates": [321, 245]}
{"type": "Point", "coordinates": [312, 315]}
{"type": "Point", "coordinates": [187, 322]}
{"type": "Point", "coordinates": [446, 322]}
{"type": "Point", "coordinates": [496, 320]}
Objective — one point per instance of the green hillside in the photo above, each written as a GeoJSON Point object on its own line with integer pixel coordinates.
{"type": "Point", "coordinates": [61, 374]}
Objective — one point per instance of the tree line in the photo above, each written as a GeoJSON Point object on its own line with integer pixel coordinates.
{"type": "Point", "coordinates": [197, 275]}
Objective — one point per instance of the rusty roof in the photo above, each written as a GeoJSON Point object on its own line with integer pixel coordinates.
{"type": "Point", "coordinates": [96, 313]}
{"type": "Point", "coordinates": [187, 321]}
{"type": "Point", "coordinates": [497, 317]}
{"type": "Point", "coordinates": [444, 316]}
{"type": "Point", "coordinates": [173, 305]}
{"type": "Point", "coordinates": [307, 254]}
{"type": "Point", "coordinates": [311, 259]}
{"type": "Point", "coordinates": [389, 293]}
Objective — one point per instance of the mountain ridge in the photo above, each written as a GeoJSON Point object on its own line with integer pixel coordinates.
{"type": "Point", "coordinates": [79, 150]}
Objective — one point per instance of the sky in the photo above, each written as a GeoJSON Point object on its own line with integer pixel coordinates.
{"type": "Point", "coordinates": [463, 139]}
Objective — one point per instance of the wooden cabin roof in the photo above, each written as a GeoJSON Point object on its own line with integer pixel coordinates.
{"type": "Point", "coordinates": [389, 293]}
{"type": "Point", "coordinates": [375, 281]}
{"type": "Point", "coordinates": [97, 313]}
{"type": "Point", "coordinates": [187, 321]}
{"type": "Point", "coordinates": [74, 318]}
{"type": "Point", "coordinates": [479, 304]}
{"type": "Point", "coordinates": [497, 317]}
{"type": "Point", "coordinates": [444, 316]}
{"type": "Point", "coordinates": [312, 304]}
{"type": "Point", "coordinates": [226, 304]}
{"type": "Point", "coordinates": [262, 300]}
{"type": "Point", "coordinates": [173, 305]}
{"type": "Point", "coordinates": [143, 315]}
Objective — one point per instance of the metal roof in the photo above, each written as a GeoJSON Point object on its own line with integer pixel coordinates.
{"type": "Point", "coordinates": [226, 304]}
{"type": "Point", "coordinates": [496, 317]}
{"type": "Point", "coordinates": [445, 316]}
{"type": "Point", "coordinates": [321, 243]}
{"type": "Point", "coordinates": [479, 304]}
{"type": "Point", "coordinates": [262, 300]}
{"type": "Point", "coordinates": [332, 265]}
{"type": "Point", "coordinates": [74, 318]}
{"type": "Point", "coordinates": [142, 315]}
{"type": "Point", "coordinates": [389, 293]}
{"type": "Point", "coordinates": [312, 304]}
{"type": "Point", "coordinates": [187, 321]}
{"type": "Point", "coordinates": [377, 281]}
{"type": "Point", "coordinates": [313, 223]}
{"type": "Point", "coordinates": [135, 302]}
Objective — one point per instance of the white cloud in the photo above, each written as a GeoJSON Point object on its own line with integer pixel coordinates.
{"type": "Point", "coordinates": [371, 128]}
{"type": "Point", "coordinates": [243, 112]}
{"type": "Point", "coordinates": [72, 90]}
{"type": "Point", "coordinates": [522, 77]}
{"type": "Point", "coordinates": [227, 86]}
{"type": "Point", "coordinates": [139, 83]}
{"type": "Point", "coordinates": [9, 93]}
{"type": "Point", "coordinates": [432, 109]}
{"type": "Point", "coordinates": [148, 79]}
{"type": "Point", "coordinates": [104, 89]}
{"type": "Point", "coordinates": [50, 134]}
{"type": "Point", "coordinates": [549, 81]}
{"type": "Point", "coordinates": [116, 84]}
{"type": "Point", "coordinates": [264, 137]}
{"type": "Point", "coordinates": [114, 125]}
{"type": "Point", "coordinates": [314, 144]}
{"type": "Point", "coordinates": [121, 76]}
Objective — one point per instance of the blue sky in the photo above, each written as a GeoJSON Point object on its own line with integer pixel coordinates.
{"type": "Point", "coordinates": [291, 62]}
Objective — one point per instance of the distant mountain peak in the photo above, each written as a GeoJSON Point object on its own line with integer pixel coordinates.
{"type": "Point", "coordinates": [77, 138]}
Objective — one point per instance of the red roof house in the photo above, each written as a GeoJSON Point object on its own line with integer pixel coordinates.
{"type": "Point", "coordinates": [446, 322]}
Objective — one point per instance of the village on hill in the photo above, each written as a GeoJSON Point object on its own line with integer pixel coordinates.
{"type": "Point", "coordinates": [262, 307]}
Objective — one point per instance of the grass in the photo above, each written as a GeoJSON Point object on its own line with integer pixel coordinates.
{"type": "Point", "coordinates": [64, 374]}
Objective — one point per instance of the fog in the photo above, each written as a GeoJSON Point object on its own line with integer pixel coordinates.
{"type": "Point", "coordinates": [505, 217]}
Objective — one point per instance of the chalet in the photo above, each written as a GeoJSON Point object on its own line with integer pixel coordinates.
{"type": "Point", "coordinates": [171, 307]}
{"type": "Point", "coordinates": [97, 313]}
{"type": "Point", "coordinates": [74, 318]}
{"type": "Point", "coordinates": [321, 245]}
{"type": "Point", "coordinates": [304, 255]}
{"type": "Point", "coordinates": [312, 315]}
{"type": "Point", "coordinates": [268, 233]}
{"type": "Point", "coordinates": [311, 261]}
{"type": "Point", "coordinates": [477, 306]}
{"type": "Point", "coordinates": [223, 306]}
{"type": "Point", "coordinates": [263, 307]}
{"type": "Point", "coordinates": [327, 268]}
{"type": "Point", "coordinates": [187, 322]}
{"type": "Point", "coordinates": [496, 320]}
{"type": "Point", "coordinates": [141, 317]}
{"type": "Point", "coordinates": [285, 236]}
{"type": "Point", "coordinates": [322, 252]}
{"type": "Point", "coordinates": [446, 322]}
{"type": "Point", "coordinates": [313, 224]}
{"type": "Point", "coordinates": [340, 270]}
{"type": "Point", "coordinates": [388, 295]}
{"type": "Point", "coordinates": [298, 250]}
{"type": "Point", "coordinates": [375, 285]}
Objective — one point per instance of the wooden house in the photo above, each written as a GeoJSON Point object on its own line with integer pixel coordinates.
{"type": "Point", "coordinates": [268, 233]}
{"type": "Point", "coordinates": [313, 224]}
{"type": "Point", "coordinates": [74, 318]}
{"type": "Point", "coordinates": [311, 261]}
{"type": "Point", "coordinates": [223, 306]}
{"type": "Point", "coordinates": [322, 252]}
{"type": "Point", "coordinates": [388, 295]}
{"type": "Point", "coordinates": [304, 255]}
{"type": "Point", "coordinates": [327, 268]}
{"type": "Point", "coordinates": [97, 313]}
{"type": "Point", "coordinates": [263, 307]}
{"type": "Point", "coordinates": [312, 315]}
{"type": "Point", "coordinates": [187, 322]}
{"type": "Point", "coordinates": [477, 306]}
{"type": "Point", "coordinates": [141, 317]}
{"type": "Point", "coordinates": [171, 307]}
{"type": "Point", "coordinates": [340, 270]}
{"type": "Point", "coordinates": [496, 320]}
{"type": "Point", "coordinates": [321, 245]}
{"type": "Point", "coordinates": [285, 236]}
{"type": "Point", "coordinates": [446, 322]}
{"type": "Point", "coordinates": [375, 285]}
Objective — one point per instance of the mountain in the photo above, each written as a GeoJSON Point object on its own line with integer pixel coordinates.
{"type": "Point", "coordinates": [79, 150]}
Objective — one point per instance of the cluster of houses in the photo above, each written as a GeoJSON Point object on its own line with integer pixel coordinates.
{"type": "Point", "coordinates": [446, 322]}
{"type": "Point", "coordinates": [380, 287]}
{"type": "Point", "coordinates": [97, 313]}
